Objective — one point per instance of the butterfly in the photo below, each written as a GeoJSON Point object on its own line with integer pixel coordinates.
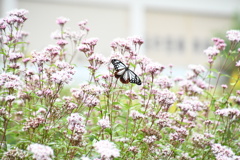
{"type": "Point", "coordinates": [124, 73]}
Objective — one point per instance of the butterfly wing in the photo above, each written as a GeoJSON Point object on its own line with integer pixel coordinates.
{"type": "Point", "coordinates": [124, 78]}
{"type": "Point", "coordinates": [118, 65]}
{"type": "Point", "coordinates": [130, 76]}
{"type": "Point", "coordinates": [119, 73]}
{"type": "Point", "coordinates": [133, 78]}
{"type": "Point", "coordinates": [126, 75]}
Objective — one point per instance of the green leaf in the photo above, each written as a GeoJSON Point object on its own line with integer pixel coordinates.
{"type": "Point", "coordinates": [108, 130]}
{"type": "Point", "coordinates": [3, 53]}
{"type": "Point", "coordinates": [213, 70]}
{"type": "Point", "coordinates": [92, 137]}
{"type": "Point", "coordinates": [17, 43]}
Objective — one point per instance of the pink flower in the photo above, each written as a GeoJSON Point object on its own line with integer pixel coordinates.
{"type": "Point", "coordinates": [190, 104]}
{"type": "Point", "coordinates": [104, 123]}
{"type": "Point", "coordinates": [136, 40]}
{"type": "Point", "coordinates": [16, 16]}
{"type": "Point", "coordinates": [91, 101]}
{"type": "Point", "coordinates": [154, 68]}
{"type": "Point", "coordinates": [180, 131]}
{"type": "Point", "coordinates": [219, 43]}
{"type": "Point", "coordinates": [33, 123]}
{"type": "Point", "coordinates": [165, 97]}
{"type": "Point", "coordinates": [18, 12]}
{"type": "Point", "coordinates": [133, 149]}
{"type": "Point", "coordinates": [197, 69]}
{"type": "Point", "coordinates": [62, 43]}
{"type": "Point", "coordinates": [238, 92]}
{"type": "Point", "coordinates": [150, 139]}
{"type": "Point", "coordinates": [84, 48]}
{"type": "Point", "coordinates": [90, 41]}
{"type": "Point", "coordinates": [98, 59]}
{"type": "Point", "coordinates": [76, 123]}
{"type": "Point", "coordinates": [10, 81]}
{"type": "Point", "coordinates": [190, 88]}
{"type": "Point", "coordinates": [164, 82]}
{"type": "Point", "coordinates": [228, 112]}
{"type": "Point", "coordinates": [224, 86]}
{"type": "Point", "coordinates": [40, 151]}
{"type": "Point", "coordinates": [164, 119]}
{"type": "Point", "coordinates": [52, 51]}
{"type": "Point", "coordinates": [107, 149]}
{"type": "Point", "coordinates": [10, 98]}
{"type": "Point", "coordinates": [91, 89]}
{"type": "Point", "coordinates": [26, 60]}
{"type": "Point", "coordinates": [15, 56]}
{"type": "Point", "coordinates": [136, 115]}
{"type": "Point", "coordinates": [222, 152]}
{"type": "Point", "coordinates": [41, 111]}
{"type": "Point", "coordinates": [211, 51]}
{"type": "Point", "coordinates": [63, 65]}
{"type": "Point", "coordinates": [2, 24]}
{"type": "Point", "coordinates": [63, 76]}
{"type": "Point", "coordinates": [82, 25]}
{"type": "Point", "coordinates": [62, 20]}
{"type": "Point", "coordinates": [201, 140]}
{"type": "Point", "coordinates": [71, 106]}
{"type": "Point", "coordinates": [233, 35]}
{"type": "Point", "coordinates": [121, 44]}
{"type": "Point", "coordinates": [238, 63]}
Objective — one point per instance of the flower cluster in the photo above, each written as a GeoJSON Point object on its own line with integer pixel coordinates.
{"type": "Point", "coordinates": [233, 35]}
{"type": "Point", "coordinates": [104, 123]}
{"type": "Point", "coordinates": [76, 123]}
{"type": "Point", "coordinates": [229, 112]}
{"type": "Point", "coordinates": [165, 82]}
{"type": "Point", "coordinates": [64, 74]}
{"type": "Point", "coordinates": [150, 139]}
{"type": "Point", "coordinates": [201, 140]}
{"type": "Point", "coordinates": [62, 20]}
{"type": "Point", "coordinates": [136, 115]}
{"type": "Point", "coordinates": [40, 151]}
{"type": "Point", "coordinates": [106, 149]}
{"type": "Point", "coordinates": [33, 123]}
{"type": "Point", "coordinates": [191, 104]}
{"type": "Point", "coordinates": [190, 88]}
{"type": "Point", "coordinates": [165, 97]}
{"type": "Point", "coordinates": [83, 25]}
{"type": "Point", "coordinates": [221, 45]}
{"type": "Point", "coordinates": [121, 44]}
{"type": "Point", "coordinates": [154, 68]}
{"type": "Point", "coordinates": [164, 119]}
{"type": "Point", "coordinates": [197, 69]}
{"type": "Point", "coordinates": [10, 81]}
{"type": "Point", "coordinates": [179, 135]}
{"type": "Point", "coordinates": [211, 52]}
{"type": "Point", "coordinates": [15, 153]}
{"type": "Point", "coordinates": [87, 94]}
{"type": "Point", "coordinates": [223, 152]}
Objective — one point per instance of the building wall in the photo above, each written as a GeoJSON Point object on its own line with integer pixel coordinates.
{"type": "Point", "coordinates": [180, 38]}
{"type": "Point", "coordinates": [106, 23]}
{"type": "Point", "coordinates": [175, 31]}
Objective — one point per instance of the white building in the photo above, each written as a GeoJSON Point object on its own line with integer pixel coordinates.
{"type": "Point", "coordinates": [175, 31]}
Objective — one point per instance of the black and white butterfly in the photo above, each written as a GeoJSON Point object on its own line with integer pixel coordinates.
{"type": "Point", "coordinates": [124, 73]}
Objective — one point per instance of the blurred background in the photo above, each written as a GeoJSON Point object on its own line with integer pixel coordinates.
{"type": "Point", "coordinates": [175, 31]}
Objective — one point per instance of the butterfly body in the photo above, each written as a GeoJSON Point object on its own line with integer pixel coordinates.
{"type": "Point", "coordinates": [124, 73]}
